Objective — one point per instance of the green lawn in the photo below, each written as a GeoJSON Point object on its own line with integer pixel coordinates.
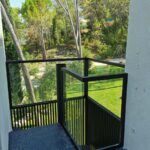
{"type": "Point", "coordinates": [106, 93]}
{"type": "Point", "coordinates": [109, 98]}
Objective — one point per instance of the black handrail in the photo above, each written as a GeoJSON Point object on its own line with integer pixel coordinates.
{"type": "Point", "coordinates": [103, 77]}
{"type": "Point", "coordinates": [65, 59]}
{"type": "Point", "coordinates": [34, 104]}
{"type": "Point", "coordinates": [108, 62]}
{"type": "Point", "coordinates": [93, 78]}
{"type": "Point", "coordinates": [41, 60]}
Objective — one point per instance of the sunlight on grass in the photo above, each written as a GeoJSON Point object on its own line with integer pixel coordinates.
{"type": "Point", "coordinates": [110, 99]}
{"type": "Point", "coordinates": [106, 93]}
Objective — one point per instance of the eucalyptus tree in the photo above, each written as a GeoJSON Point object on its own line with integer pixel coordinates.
{"type": "Point", "coordinates": [8, 21]}
{"type": "Point", "coordinates": [38, 16]}
{"type": "Point", "coordinates": [74, 18]}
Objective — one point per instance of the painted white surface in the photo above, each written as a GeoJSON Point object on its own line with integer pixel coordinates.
{"type": "Point", "coordinates": [137, 132]}
{"type": "Point", "coordinates": [5, 125]}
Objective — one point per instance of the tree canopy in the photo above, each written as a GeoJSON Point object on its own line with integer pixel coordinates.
{"type": "Point", "coordinates": [99, 27]}
{"type": "Point", "coordinates": [38, 16]}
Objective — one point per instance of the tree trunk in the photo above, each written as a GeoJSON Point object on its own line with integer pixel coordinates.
{"type": "Point", "coordinates": [20, 54]}
{"type": "Point", "coordinates": [78, 28]}
{"type": "Point", "coordinates": [43, 45]}
{"type": "Point", "coordinates": [76, 32]}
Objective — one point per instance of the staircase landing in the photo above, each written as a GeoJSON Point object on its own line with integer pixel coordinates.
{"type": "Point", "coordinates": [51, 137]}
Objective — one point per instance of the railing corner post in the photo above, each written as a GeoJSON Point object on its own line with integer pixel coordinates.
{"type": "Point", "coordinates": [86, 70]}
{"type": "Point", "coordinates": [60, 90]}
{"type": "Point", "coordinates": [123, 108]}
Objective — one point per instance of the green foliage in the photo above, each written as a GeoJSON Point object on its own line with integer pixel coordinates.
{"type": "Point", "coordinates": [36, 10]}
{"type": "Point", "coordinates": [103, 26]}
{"type": "Point", "coordinates": [18, 24]}
{"type": "Point", "coordinates": [38, 16]}
{"type": "Point", "coordinates": [86, 51]}
{"type": "Point", "coordinates": [11, 54]}
{"type": "Point", "coordinates": [107, 26]}
{"type": "Point", "coordinates": [16, 86]}
{"type": "Point", "coordinates": [47, 86]}
{"type": "Point", "coordinates": [76, 66]}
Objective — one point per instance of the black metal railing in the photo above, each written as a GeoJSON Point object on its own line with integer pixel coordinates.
{"type": "Point", "coordinates": [85, 120]}
{"type": "Point", "coordinates": [33, 115]}
{"type": "Point", "coordinates": [75, 119]}
{"type": "Point", "coordinates": [105, 128]}
{"type": "Point", "coordinates": [102, 127]}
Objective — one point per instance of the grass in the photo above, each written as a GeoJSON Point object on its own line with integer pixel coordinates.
{"type": "Point", "coordinates": [106, 93]}
{"type": "Point", "coordinates": [109, 97]}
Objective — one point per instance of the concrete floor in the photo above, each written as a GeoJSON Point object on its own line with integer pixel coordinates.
{"type": "Point", "coordinates": [50, 137]}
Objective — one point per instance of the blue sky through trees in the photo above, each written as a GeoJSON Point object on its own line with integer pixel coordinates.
{"type": "Point", "coordinates": [16, 3]}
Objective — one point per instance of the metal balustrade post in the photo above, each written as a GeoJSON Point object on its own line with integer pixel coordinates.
{"type": "Point", "coordinates": [86, 70]}
{"type": "Point", "coordinates": [60, 93]}
{"type": "Point", "coordinates": [123, 108]}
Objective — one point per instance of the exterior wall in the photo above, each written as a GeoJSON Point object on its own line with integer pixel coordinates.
{"type": "Point", "coordinates": [137, 132]}
{"type": "Point", "coordinates": [5, 124]}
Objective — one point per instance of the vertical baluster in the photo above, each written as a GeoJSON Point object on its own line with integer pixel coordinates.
{"type": "Point", "coordinates": [14, 116]}
{"type": "Point", "coordinates": [23, 122]}
{"type": "Point", "coordinates": [55, 112]}
{"type": "Point", "coordinates": [80, 120]}
{"type": "Point", "coordinates": [77, 123]}
{"type": "Point", "coordinates": [30, 118]}
{"type": "Point", "coordinates": [52, 113]}
{"type": "Point", "coordinates": [34, 115]}
{"type": "Point", "coordinates": [50, 116]}
{"type": "Point", "coordinates": [66, 113]}
{"type": "Point", "coordinates": [17, 116]}
{"type": "Point", "coordinates": [26, 114]}
{"type": "Point", "coordinates": [42, 113]}
{"type": "Point", "coordinates": [73, 108]}
{"type": "Point", "coordinates": [46, 113]}
{"type": "Point", "coordinates": [37, 119]}
{"type": "Point", "coordinates": [20, 118]}
{"type": "Point", "coordinates": [69, 116]}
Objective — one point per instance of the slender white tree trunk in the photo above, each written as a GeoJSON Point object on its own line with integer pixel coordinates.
{"type": "Point", "coordinates": [78, 27]}
{"type": "Point", "coordinates": [19, 52]}
{"type": "Point", "coordinates": [75, 30]}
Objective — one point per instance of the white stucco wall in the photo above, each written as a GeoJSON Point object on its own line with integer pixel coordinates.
{"type": "Point", "coordinates": [137, 132]}
{"type": "Point", "coordinates": [5, 125]}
